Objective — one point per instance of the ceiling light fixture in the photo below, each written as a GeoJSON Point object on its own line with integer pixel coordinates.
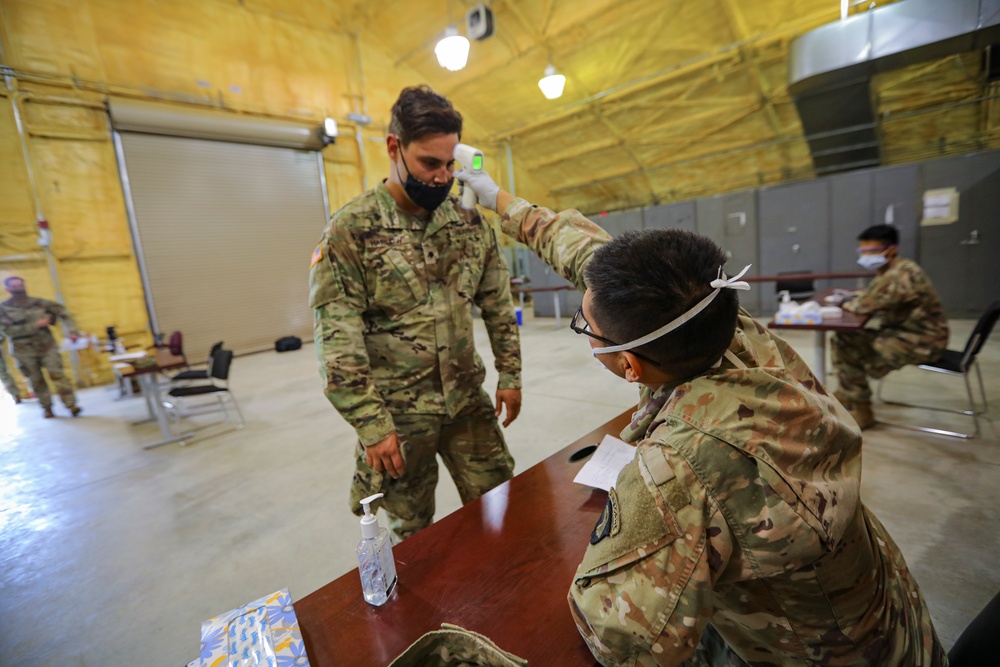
{"type": "Point", "coordinates": [453, 50]}
{"type": "Point", "coordinates": [552, 84]}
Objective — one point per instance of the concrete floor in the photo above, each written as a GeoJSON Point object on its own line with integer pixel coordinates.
{"type": "Point", "coordinates": [113, 555]}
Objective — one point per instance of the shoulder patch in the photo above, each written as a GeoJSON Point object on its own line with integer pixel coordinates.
{"type": "Point", "coordinates": [609, 522]}
{"type": "Point", "coordinates": [317, 255]}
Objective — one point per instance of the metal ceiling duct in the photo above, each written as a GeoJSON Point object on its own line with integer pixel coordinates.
{"type": "Point", "coordinates": [830, 68]}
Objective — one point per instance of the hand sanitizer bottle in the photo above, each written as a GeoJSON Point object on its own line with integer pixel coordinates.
{"type": "Point", "coordinates": [375, 562]}
{"type": "Point", "coordinates": [786, 309]}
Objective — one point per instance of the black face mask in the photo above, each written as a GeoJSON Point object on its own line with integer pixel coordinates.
{"type": "Point", "coordinates": [427, 197]}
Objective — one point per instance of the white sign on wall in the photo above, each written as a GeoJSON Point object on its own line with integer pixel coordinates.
{"type": "Point", "coordinates": [940, 206]}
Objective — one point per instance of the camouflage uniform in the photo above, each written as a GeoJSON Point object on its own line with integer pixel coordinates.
{"type": "Point", "coordinates": [9, 383]}
{"type": "Point", "coordinates": [393, 297]}
{"type": "Point", "coordinates": [741, 510]}
{"type": "Point", "coordinates": [907, 326]}
{"type": "Point", "coordinates": [35, 348]}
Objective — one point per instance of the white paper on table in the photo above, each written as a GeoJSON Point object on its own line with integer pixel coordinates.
{"type": "Point", "coordinates": [601, 470]}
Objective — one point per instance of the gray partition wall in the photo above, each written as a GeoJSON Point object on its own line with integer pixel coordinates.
{"type": "Point", "coordinates": [670, 216]}
{"type": "Point", "coordinates": [731, 221]}
{"type": "Point", "coordinates": [813, 226]}
{"type": "Point", "coordinates": [618, 222]}
{"type": "Point", "coordinates": [961, 257]}
{"type": "Point", "coordinates": [542, 275]}
{"type": "Point", "coordinates": [794, 227]}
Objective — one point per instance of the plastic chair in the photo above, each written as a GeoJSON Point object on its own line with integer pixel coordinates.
{"type": "Point", "coordinates": [219, 388]}
{"type": "Point", "coordinates": [956, 363]}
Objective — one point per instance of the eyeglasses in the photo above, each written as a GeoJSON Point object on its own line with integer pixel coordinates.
{"type": "Point", "coordinates": [580, 325]}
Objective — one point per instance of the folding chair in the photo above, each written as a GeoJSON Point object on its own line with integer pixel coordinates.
{"type": "Point", "coordinates": [956, 363]}
{"type": "Point", "coordinates": [219, 388]}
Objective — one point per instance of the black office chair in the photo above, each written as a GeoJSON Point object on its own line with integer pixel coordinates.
{"type": "Point", "coordinates": [198, 374]}
{"type": "Point", "coordinates": [953, 362]}
{"type": "Point", "coordinates": [219, 388]}
{"type": "Point", "coordinates": [979, 643]}
{"type": "Point", "coordinates": [799, 289]}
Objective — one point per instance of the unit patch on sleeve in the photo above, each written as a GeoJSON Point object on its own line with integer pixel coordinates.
{"type": "Point", "coordinates": [610, 521]}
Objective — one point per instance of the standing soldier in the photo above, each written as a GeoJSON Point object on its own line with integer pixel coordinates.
{"type": "Point", "coordinates": [9, 383]}
{"type": "Point", "coordinates": [906, 326]}
{"type": "Point", "coordinates": [393, 283]}
{"type": "Point", "coordinates": [25, 321]}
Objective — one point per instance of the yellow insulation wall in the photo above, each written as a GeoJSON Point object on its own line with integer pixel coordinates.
{"type": "Point", "coordinates": [68, 56]}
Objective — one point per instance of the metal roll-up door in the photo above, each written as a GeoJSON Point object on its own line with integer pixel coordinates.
{"type": "Point", "coordinates": [223, 232]}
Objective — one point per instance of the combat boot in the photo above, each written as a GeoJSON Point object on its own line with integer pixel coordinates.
{"type": "Point", "coordinates": [17, 400]}
{"type": "Point", "coordinates": [76, 410]}
{"type": "Point", "coordinates": [862, 413]}
{"type": "Point", "coordinates": [860, 410]}
{"type": "Point", "coordinates": [49, 414]}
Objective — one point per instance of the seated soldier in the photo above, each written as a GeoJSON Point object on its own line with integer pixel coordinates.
{"type": "Point", "coordinates": [737, 533]}
{"type": "Point", "coordinates": [906, 325]}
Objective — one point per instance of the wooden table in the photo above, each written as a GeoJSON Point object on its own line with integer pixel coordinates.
{"type": "Point", "coordinates": [151, 389]}
{"type": "Point", "coordinates": [847, 323]}
{"type": "Point", "coordinates": [502, 566]}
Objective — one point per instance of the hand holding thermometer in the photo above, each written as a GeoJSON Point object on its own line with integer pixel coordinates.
{"type": "Point", "coordinates": [471, 159]}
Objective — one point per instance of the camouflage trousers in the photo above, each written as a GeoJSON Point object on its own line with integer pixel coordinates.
{"type": "Point", "coordinates": [32, 362]}
{"type": "Point", "coordinates": [471, 446]}
{"type": "Point", "coordinates": [9, 383]}
{"type": "Point", "coordinates": [871, 354]}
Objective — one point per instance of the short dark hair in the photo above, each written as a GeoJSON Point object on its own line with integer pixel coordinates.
{"type": "Point", "coordinates": [644, 279]}
{"type": "Point", "coordinates": [419, 112]}
{"type": "Point", "coordinates": [887, 234]}
{"type": "Point", "coordinates": [6, 281]}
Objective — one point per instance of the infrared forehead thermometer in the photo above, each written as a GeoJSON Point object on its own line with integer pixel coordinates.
{"type": "Point", "coordinates": [472, 161]}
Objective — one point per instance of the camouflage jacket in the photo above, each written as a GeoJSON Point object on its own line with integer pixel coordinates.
{"type": "Point", "coordinates": [903, 304]}
{"type": "Point", "coordinates": [18, 323]}
{"type": "Point", "coordinates": [393, 298]}
{"type": "Point", "coordinates": [742, 508]}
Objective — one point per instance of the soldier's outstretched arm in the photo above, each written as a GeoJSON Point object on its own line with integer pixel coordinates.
{"type": "Point", "coordinates": [336, 294]}
{"type": "Point", "coordinates": [565, 241]}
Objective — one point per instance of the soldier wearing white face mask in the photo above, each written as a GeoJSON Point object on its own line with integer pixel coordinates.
{"type": "Point", "coordinates": [907, 324]}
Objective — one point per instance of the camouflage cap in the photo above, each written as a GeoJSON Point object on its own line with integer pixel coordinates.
{"type": "Point", "coordinates": [452, 646]}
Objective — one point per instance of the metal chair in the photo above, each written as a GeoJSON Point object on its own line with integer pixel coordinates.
{"type": "Point", "coordinates": [198, 374]}
{"type": "Point", "coordinates": [953, 362]}
{"type": "Point", "coordinates": [799, 289]}
{"type": "Point", "coordinates": [219, 388]}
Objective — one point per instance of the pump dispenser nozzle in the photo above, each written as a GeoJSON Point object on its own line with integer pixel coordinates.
{"type": "Point", "coordinates": [369, 524]}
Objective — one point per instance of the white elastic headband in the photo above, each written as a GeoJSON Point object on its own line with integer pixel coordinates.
{"type": "Point", "coordinates": [719, 283]}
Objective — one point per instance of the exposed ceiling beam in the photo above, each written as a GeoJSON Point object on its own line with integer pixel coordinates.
{"type": "Point", "coordinates": [693, 65]}
{"type": "Point", "coordinates": [626, 174]}
{"type": "Point", "coordinates": [611, 127]}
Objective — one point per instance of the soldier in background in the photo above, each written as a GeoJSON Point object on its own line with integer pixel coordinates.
{"type": "Point", "coordinates": [25, 321]}
{"type": "Point", "coordinates": [906, 326]}
{"type": "Point", "coordinates": [393, 283]}
{"type": "Point", "coordinates": [9, 383]}
{"type": "Point", "coordinates": [737, 533]}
